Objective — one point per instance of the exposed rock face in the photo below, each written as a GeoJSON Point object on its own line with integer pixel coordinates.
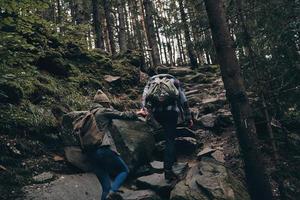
{"type": "Point", "coordinates": [208, 180]}
{"type": "Point", "coordinates": [133, 141]}
{"type": "Point", "coordinates": [67, 187]}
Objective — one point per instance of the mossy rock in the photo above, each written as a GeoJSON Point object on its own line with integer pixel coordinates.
{"type": "Point", "coordinates": [10, 92]}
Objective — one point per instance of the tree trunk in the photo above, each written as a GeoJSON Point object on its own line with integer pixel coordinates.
{"type": "Point", "coordinates": [189, 43]}
{"type": "Point", "coordinates": [149, 11]}
{"type": "Point", "coordinates": [257, 179]}
{"type": "Point", "coordinates": [170, 53]}
{"type": "Point", "coordinates": [109, 23]}
{"type": "Point", "coordinates": [99, 43]}
{"type": "Point", "coordinates": [158, 39]}
{"type": "Point", "coordinates": [122, 30]}
{"type": "Point", "coordinates": [179, 49]}
{"type": "Point", "coordinates": [181, 44]}
{"type": "Point", "coordinates": [165, 53]}
{"type": "Point", "coordinates": [59, 15]}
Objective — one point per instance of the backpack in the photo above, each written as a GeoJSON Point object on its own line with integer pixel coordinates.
{"type": "Point", "coordinates": [162, 90]}
{"type": "Point", "coordinates": [87, 131]}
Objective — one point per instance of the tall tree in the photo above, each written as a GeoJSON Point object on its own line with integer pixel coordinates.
{"type": "Point", "coordinates": [149, 12]}
{"type": "Point", "coordinates": [187, 36]}
{"type": "Point", "coordinates": [110, 25]}
{"type": "Point", "coordinates": [99, 43]}
{"type": "Point", "coordinates": [257, 179]}
{"type": "Point", "coordinates": [122, 28]}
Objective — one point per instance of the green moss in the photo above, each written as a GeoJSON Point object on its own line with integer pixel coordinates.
{"type": "Point", "coordinates": [10, 92]}
{"type": "Point", "coordinates": [26, 119]}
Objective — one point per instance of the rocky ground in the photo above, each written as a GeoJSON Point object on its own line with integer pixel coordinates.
{"type": "Point", "coordinates": [209, 162]}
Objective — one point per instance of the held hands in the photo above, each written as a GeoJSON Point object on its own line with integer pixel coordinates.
{"type": "Point", "coordinates": [143, 112]}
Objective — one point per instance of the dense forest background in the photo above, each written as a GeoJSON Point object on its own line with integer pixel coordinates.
{"type": "Point", "coordinates": [62, 36]}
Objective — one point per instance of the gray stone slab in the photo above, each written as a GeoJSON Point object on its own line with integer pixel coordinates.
{"type": "Point", "coordinates": [66, 187]}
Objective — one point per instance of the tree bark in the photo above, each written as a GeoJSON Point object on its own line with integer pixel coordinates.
{"type": "Point", "coordinates": [189, 43]}
{"type": "Point", "coordinates": [257, 179]}
{"type": "Point", "coordinates": [99, 41]}
{"type": "Point", "coordinates": [122, 30]}
{"type": "Point", "coordinates": [109, 23]}
{"type": "Point", "coordinates": [149, 11]}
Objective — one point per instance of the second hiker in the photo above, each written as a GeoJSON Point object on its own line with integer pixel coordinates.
{"type": "Point", "coordinates": [164, 99]}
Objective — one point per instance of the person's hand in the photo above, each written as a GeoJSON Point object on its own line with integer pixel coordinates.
{"type": "Point", "coordinates": [191, 123]}
{"type": "Point", "coordinates": [143, 112]}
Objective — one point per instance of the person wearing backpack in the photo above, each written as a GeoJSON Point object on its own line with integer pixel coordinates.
{"type": "Point", "coordinates": [164, 99]}
{"type": "Point", "coordinates": [98, 145]}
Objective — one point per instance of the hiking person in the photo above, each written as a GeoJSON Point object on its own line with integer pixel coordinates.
{"type": "Point", "coordinates": [164, 99]}
{"type": "Point", "coordinates": [99, 147]}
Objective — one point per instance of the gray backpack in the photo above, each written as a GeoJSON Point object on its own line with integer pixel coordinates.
{"type": "Point", "coordinates": [162, 90]}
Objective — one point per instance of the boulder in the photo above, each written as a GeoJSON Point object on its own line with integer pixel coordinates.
{"type": "Point", "coordinates": [134, 141]}
{"type": "Point", "coordinates": [155, 182]}
{"type": "Point", "coordinates": [66, 187]}
{"type": "Point", "coordinates": [208, 180]}
{"type": "Point", "coordinates": [140, 195]}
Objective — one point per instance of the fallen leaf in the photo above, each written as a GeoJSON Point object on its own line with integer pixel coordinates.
{"type": "Point", "coordinates": [58, 158]}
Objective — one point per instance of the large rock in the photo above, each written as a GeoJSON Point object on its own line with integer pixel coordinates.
{"type": "Point", "coordinates": [155, 182]}
{"type": "Point", "coordinates": [134, 141]}
{"type": "Point", "coordinates": [208, 180]}
{"type": "Point", "coordinates": [140, 195]}
{"type": "Point", "coordinates": [66, 187]}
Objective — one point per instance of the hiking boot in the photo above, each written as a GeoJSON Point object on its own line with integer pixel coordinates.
{"type": "Point", "coordinates": [170, 176]}
{"type": "Point", "coordinates": [114, 196]}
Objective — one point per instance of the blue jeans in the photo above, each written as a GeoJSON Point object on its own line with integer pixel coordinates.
{"type": "Point", "coordinates": [168, 120]}
{"type": "Point", "coordinates": [107, 163]}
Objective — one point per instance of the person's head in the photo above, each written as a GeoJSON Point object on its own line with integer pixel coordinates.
{"type": "Point", "coordinates": [101, 98]}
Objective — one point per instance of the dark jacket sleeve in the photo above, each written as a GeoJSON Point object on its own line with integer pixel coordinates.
{"type": "Point", "coordinates": [115, 114]}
